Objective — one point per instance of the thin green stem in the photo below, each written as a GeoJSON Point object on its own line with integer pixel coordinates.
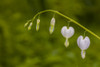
{"type": "Point", "coordinates": [68, 24]}
{"type": "Point", "coordinates": [68, 19]}
{"type": "Point", "coordinates": [84, 34]}
{"type": "Point", "coordinates": [39, 16]}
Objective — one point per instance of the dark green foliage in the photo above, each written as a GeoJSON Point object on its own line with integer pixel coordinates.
{"type": "Point", "coordinates": [22, 48]}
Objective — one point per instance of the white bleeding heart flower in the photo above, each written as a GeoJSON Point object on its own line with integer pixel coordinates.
{"type": "Point", "coordinates": [52, 24]}
{"type": "Point", "coordinates": [83, 54]}
{"type": "Point", "coordinates": [67, 33]}
{"type": "Point", "coordinates": [83, 44]}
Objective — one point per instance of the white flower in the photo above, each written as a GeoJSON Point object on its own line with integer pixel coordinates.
{"type": "Point", "coordinates": [67, 33]}
{"type": "Point", "coordinates": [52, 24]}
{"type": "Point", "coordinates": [37, 25]}
{"type": "Point", "coordinates": [83, 44]}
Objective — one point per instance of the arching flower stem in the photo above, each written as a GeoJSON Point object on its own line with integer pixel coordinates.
{"type": "Point", "coordinates": [68, 19]}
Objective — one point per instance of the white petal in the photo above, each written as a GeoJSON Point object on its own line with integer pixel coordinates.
{"type": "Point", "coordinates": [83, 54]}
{"type": "Point", "coordinates": [78, 40]}
{"type": "Point", "coordinates": [67, 33]}
{"type": "Point", "coordinates": [87, 41]}
{"type": "Point", "coordinates": [63, 31]}
{"type": "Point", "coordinates": [83, 43]}
{"type": "Point", "coordinates": [66, 43]}
{"type": "Point", "coordinates": [38, 20]}
{"type": "Point", "coordinates": [53, 21]}
{"type": "Point", "coordinates": [71, 33]}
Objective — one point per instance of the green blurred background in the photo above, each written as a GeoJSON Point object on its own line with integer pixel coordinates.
{"type": "Point", "coordinates": [22, 48]}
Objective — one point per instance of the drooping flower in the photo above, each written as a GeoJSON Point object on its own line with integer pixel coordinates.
{"type": "Point", "coordinates": [52, 24]}
{"type": "Point", "coordinates": [83, 44]}
{"type": "Point", "coordinates": [38, 24]}
{"type": "Point", "coordinates": [67, 33]}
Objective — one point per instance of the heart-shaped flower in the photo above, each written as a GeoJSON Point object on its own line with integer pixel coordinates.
{"type": "Point", "coordinates": [67, 33]}
{"type": "Point", "coordinates": [83, 44]}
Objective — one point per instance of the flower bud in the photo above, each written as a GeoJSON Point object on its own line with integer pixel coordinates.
{"type": "Point", "coordinates": [37, 25]}
{"type": "Point", "coordinates": [30, 25]}
{"type": "Point", "coordinates": [52, 24]}
{"type": "Point", "coordinates": [27, 23]}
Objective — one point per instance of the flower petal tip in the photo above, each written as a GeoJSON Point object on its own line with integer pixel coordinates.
{"type": "Point", "coordinates": [83, 54]}
{"type": "Point", "coordinates": [66, 43]}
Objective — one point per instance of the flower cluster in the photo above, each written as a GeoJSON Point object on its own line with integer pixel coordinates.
{"type": "Point", "coordinates": [51, 29]}
{"type": "Point", "coordinates": [83, 43]}
{"type": "Point", "coordinates": [67, 32]}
